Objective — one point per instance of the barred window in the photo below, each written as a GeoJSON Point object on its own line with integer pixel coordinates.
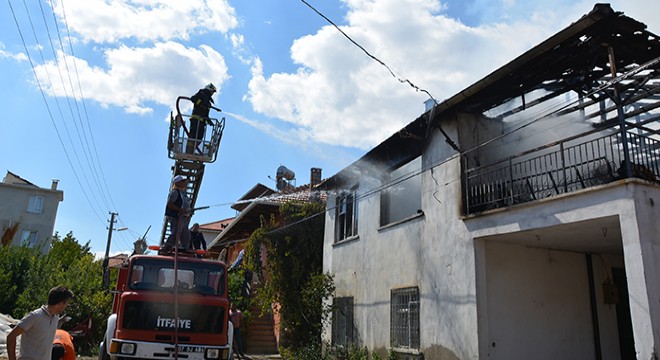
{"type": "Point", "coordinates": [342, 321]}
{"type": "Point", "coordinates": [347, 216]}
{"type": "Point", "coordinates": [404, 318]}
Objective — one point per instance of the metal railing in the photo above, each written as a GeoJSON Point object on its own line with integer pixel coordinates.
{"type": "Point", "coordinates": [575, 163]}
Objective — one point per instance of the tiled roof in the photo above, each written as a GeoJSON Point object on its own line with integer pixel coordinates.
{"type": "Point", "coordinates": [216, 225]}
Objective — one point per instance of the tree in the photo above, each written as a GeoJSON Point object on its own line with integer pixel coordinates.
{"type": "Point", "coordinates": [28, 274]}
{"type": "Point", "coordinates": [294, 268]}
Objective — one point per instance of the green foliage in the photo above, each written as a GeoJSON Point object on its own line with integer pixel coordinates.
{"type": "Point", "coordinates": [295, 278]}
{"type": "Point", "coordinates": [312, 351]}
{"type": "Point", "coordinates": [236, 280]}
{"type": "Point", "coordinates": [28, 274]}
{"type": "Point", "coordinates": [351, 353]}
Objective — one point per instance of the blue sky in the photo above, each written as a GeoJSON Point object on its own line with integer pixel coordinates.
{"type": "Point", "coordinates": [294, 91]}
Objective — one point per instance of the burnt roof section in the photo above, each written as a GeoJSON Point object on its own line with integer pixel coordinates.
{"type": "Point", "coordinates": [571, 59]}
{"type": "Point", "coordinates": [576, 54]}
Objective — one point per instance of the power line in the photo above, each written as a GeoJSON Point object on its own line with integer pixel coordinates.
{"type": "Point", "coordinates": [401, 80]}
{"type": "Point", "coordinates": [82, 99]}
{"type": "Point", "coordinates": [85, 146]}
{"type": "Point", "coordinates": [50, 114]}
{"type": "Point", "coordinates": [550, 111]}
{"type": "Point", "coordinates": [66, 96]}
{"type": "Point", "coordinates": [84, 143]}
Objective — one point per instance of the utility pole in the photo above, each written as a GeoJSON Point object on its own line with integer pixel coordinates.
{"type": "Point", "coordinates": [106, 270]}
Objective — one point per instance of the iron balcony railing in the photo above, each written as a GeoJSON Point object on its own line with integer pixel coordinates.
{"type": "Point", "coordinates": [575, 163]}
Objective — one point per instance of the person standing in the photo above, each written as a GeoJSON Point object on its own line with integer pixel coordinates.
{"type": "Point", "coordinates": [178, 214]}
{"type": "Point", "coordinates": [197, 241]}
{"type": "Point", "coordinates": [202, 103]}
{"type": "Point", "coordinates": [236, 318]}
{"type": "Point", "coordinates": [37, 329]}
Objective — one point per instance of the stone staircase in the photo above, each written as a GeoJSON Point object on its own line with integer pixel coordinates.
{"type": "Point", "coordinates": [260, 337]}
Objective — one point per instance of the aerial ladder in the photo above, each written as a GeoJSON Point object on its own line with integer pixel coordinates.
{"type": "Point", "coordinates": [191, 153]}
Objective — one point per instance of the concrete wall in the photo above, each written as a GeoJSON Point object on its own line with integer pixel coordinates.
{"type": "Point", "coordinates": [632, 203]}
{"type": "Point", "coordinates": [14, 206]}
{"type": "Point", "coordinates": [538, 304]}
{"type": "Point", "coordinates": [432, 251]}
{"type": "Point", "coordinates": [474, 293]}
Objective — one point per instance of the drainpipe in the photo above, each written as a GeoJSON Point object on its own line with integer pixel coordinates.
{"type": "Point", "coordinates": [619, 110]}
{"type": "Point", "coordinates": [594, 308]}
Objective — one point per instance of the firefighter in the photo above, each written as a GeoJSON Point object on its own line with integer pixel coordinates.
{"type": "Point", "coordinates": [202, 103]}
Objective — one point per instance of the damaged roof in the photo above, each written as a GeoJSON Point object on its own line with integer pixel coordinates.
{"type": "Point", "coordinates": [575, 59]}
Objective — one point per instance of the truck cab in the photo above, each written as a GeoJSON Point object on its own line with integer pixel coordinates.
{"type": "Point", "coordinates": [166, 309]}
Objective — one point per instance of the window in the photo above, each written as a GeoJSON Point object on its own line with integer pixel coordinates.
{"type": "Point", "coordinates": [342, 321]}
{"type": "Point", "coordinates": [36, 204]}
{"type": "Point", "coordinates": [158, 274]}
{"type": "Point", "coordinates": [347, 216]}
{"type": "Point", "coordinates": [29, 238]}
{"type": "Point", "coordinates": [402, 194]}
{"type": "Point", "coordinates": [404, 318]}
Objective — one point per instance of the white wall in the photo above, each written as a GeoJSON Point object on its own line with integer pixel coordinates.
{"type": "Point", "coordinates": [437, 252]}
{"type": "Point", "coordinates": [13, 209]}
{"type": "Point", "coordinates": [432, 252]}
{"type": "Point", "coordinates": [538, 304]}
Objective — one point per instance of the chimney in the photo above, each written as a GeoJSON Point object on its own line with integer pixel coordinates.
{"type": "Point", "coordinates": [314, 178]}
{"type": "Point", "coordinates": [53, 185]}
{"type": "Point", "coordinates": [429, 104]}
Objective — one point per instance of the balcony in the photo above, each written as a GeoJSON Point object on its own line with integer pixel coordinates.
{"type": "Point", "coordinates": [579, 162]}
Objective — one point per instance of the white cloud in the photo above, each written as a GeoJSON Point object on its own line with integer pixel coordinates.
{"type": "Point", "coordinates": [339, 95]}
{"type": "Point", "coordinates": [18, 56]}
{"type": "Point", "coordinates": [104, 21]}
{"type": "Point", "coordinates": [137, 76]}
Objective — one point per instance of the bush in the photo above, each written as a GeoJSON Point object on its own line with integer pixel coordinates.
{"type": "Point", "coordinates": [28, 275]}
{"type": "Point", "coordinates": [294, 252]}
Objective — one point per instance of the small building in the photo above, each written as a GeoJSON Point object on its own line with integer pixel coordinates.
{"type": "Point", "coordinates": [516, 219]}
{"type": "Point", "coordinates": [258, 205]}
{"type": "Point", "coordinates": [27, 212]}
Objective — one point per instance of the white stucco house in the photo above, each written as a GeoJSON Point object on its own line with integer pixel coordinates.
{"type": "Point", "coordinates": [519, 219]}
{"type": "Point", "coordinates": [27, 212]}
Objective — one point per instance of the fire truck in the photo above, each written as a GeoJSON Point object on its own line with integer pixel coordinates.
{"type": "Point", "coordinates": [174, 305]}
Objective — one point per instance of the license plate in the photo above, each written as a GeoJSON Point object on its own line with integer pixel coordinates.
{"type": "Point", "coordinates": [190, 349]}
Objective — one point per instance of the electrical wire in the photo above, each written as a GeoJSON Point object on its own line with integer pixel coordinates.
{"type": "Point", "coordinates": [401, 80]}
{"type": "Point", "coordinates": [92, 163]}
{"type": "Point", "coordinates": [85, 146]}
{"type": "Point", "coordinates": [82, 100]}
{"type": "Point", "coordinates": [50, 114]}
{"type": "Point", "coordinates": [66, 96]}
{"type": "Point", "coordinates": [551, 111]}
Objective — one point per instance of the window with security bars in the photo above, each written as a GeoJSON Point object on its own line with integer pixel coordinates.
{"type": "Point", "coordinates": [347, 216]}
{"type": "Point", "coordinates": [404, 318]}
{"type": "Point", "coordinates": [342, 321]}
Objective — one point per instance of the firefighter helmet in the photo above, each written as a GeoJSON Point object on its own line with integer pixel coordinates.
{"type": "Point", "coordinates": [210, 87]}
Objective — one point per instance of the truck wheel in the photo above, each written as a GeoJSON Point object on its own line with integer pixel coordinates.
{"type": "Point", "coordinates": [103, 354]}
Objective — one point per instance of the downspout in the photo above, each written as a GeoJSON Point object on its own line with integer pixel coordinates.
{"type": "Point", "coordinates": [594, 308]}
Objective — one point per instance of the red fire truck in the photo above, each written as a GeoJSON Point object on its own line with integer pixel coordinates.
{"type": "Point", "coordinates": [147, 322]}
{"type": "Point", "coordinates": [174, 306]}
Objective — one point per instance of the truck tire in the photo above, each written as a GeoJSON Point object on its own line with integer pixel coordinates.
{"type": "Point", "coordinates": [103, 354]}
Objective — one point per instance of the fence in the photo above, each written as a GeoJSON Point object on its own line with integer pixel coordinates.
{"type": "Point", "coordinates": [568, 165]}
